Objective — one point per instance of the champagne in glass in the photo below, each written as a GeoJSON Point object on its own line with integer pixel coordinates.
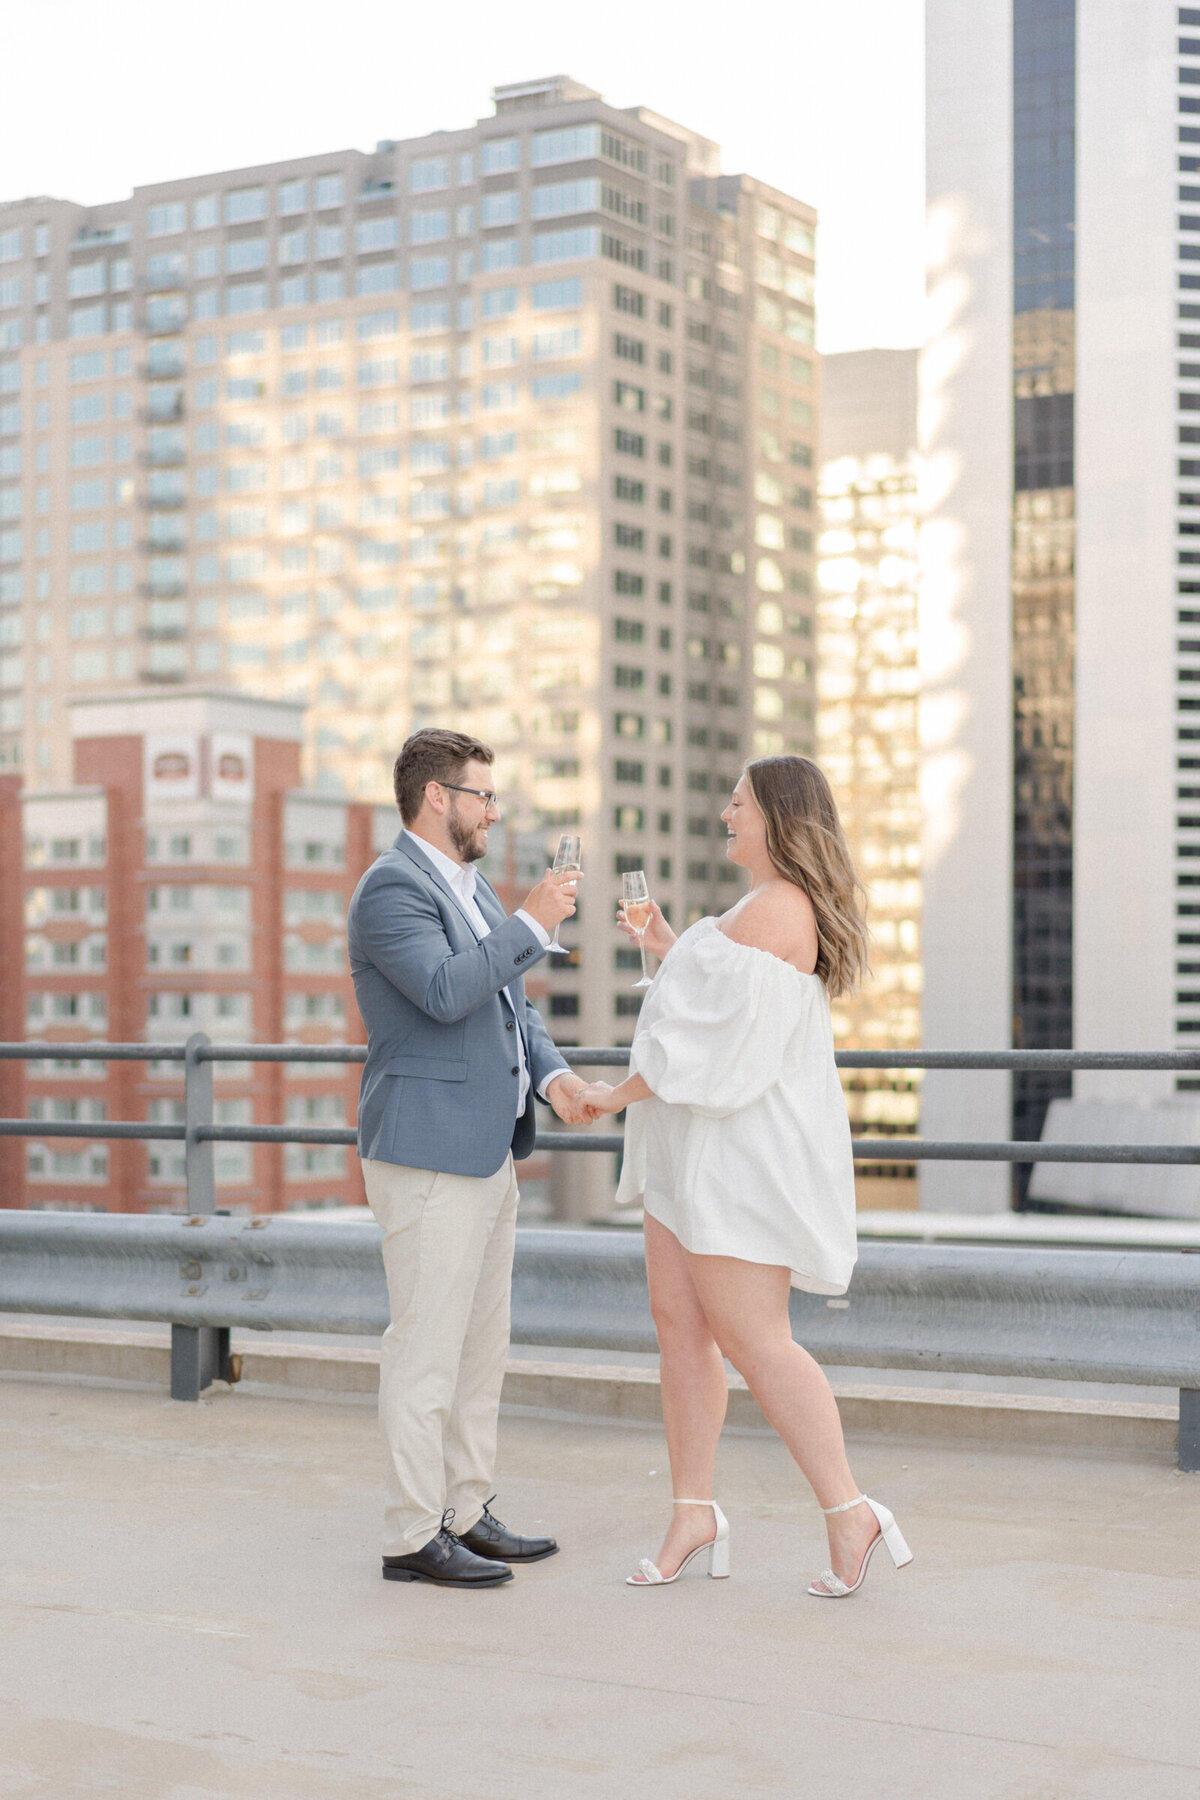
{"type": "Point", "coordinates": [565, 857]}
{"type": "Point", "coordinates": [635, 903]}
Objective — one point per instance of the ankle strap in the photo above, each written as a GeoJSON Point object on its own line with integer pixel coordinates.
{"type": "Point", "coordinates": [676, 1501]}
{"type": "Point", "coordinates": [846, 1505]}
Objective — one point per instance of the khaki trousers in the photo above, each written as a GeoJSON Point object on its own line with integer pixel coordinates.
{"type": "Point", "coordinates": [447, 1252]}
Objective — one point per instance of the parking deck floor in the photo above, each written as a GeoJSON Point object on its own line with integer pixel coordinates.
{"type": "Point", "coordinates": [191, 1609]}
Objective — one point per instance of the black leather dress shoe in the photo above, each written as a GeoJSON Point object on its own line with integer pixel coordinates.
{"type": "Point", "coordinates": [447, 1562]}
{"type": "Point", "coordinates": [489, 1538]}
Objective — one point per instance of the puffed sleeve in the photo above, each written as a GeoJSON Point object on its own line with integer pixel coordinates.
{"type": "Point", "coordinates": [719, 1026]}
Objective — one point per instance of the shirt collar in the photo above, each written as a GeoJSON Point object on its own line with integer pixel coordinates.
{"type": "Point", "coordinates": [461, 876]}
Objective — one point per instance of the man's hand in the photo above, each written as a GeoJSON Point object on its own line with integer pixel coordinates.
{"type": "Point", "coordinates": [561, 1095]}
{"type": "Point", "coordinates": [553, 899]}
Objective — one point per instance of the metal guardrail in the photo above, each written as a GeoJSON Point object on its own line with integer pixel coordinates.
{"type": "Point", "coordinates": [200, 1325]}
{"type": "Point", "coordinates": [1067, 1315]}
{"type": "Point", "coordinates": [200, 1132]}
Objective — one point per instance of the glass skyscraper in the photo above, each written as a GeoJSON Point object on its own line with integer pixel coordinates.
{"type": "Point", "coordinates": [1060, 664]}
{"type": "Point", "coordinates": [1043, 543]}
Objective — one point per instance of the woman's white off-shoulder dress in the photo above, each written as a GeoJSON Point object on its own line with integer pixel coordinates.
{"type": "Point", "coordinates": [744, 1150]}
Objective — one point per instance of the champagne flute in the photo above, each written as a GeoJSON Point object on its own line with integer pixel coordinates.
{"type": "Point", "coordinates": [565, 857]}
{"type": "Point", "coordinates": [635, 903]}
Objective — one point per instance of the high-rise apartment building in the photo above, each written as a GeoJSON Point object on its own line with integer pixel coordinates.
{"type": "Point", "coordinates": [866, 637]}
{"type": "Point", "coordinates": [1061, 741]}
{"type": "Point", "coordinates": [508, 428]}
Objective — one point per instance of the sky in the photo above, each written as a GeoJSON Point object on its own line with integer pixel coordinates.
{"type": "Point", "coordinates": [822, 98]}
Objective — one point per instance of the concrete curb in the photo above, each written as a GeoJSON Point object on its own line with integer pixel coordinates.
{"type": "Point", "coordinates": [605, 1391]}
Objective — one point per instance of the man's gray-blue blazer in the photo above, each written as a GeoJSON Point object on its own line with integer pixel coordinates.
{"type": "Point", "coordinates": [439, 1088]}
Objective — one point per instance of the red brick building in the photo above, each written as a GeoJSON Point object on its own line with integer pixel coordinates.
{"type": "Point", "coordinates": [184, 883]}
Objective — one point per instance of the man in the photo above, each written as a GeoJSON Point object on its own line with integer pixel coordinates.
{"type": "Point", "coordinates": [455, 1054]}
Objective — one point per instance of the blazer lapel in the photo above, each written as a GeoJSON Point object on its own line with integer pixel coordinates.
{"type": "Point", "coordinates": [488, 901]}
{"type": "Point", "coordinates": [406, 847]}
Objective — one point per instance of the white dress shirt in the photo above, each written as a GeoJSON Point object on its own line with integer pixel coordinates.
{"type": "Point", "coordinates": [460, 877]}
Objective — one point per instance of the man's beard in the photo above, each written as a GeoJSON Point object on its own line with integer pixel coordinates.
{"type": "Point", "coordinates": [464, 836]}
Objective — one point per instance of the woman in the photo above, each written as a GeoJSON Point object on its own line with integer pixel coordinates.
{"type": "Point", "coordinates": [738, 1147]}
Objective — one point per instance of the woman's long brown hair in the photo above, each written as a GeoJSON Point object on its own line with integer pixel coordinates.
{"type": "Point", "coordinates": [807, 846]}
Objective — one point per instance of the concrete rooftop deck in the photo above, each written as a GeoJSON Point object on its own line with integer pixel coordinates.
{"type": "Point", "coordinates": [192, 1610]}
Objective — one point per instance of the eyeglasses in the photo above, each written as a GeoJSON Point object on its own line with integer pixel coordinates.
{"type": "Point", "coordinates": [490, 801]}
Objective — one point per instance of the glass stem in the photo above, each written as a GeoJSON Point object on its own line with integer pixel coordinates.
{"type": "Point", "coordinates": [642, 949]}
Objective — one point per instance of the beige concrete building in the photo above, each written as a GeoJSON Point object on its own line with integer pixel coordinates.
{"type": "Point", "coordinates": [509, 428]}
{"type": "Point", "coordinates": [867, 718]}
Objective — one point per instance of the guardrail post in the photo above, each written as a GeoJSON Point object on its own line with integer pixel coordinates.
{"type": "Point", "coordinates": [199, 1356]}
{"type": "Point", "coordinates": [1189, 1430]}
{"type": "Point", "coordinates": [198, 1110]}
{"type": "Point", "coordinates": [199, 1353]}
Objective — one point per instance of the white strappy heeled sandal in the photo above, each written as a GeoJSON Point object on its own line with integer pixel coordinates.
{"type": "Point", "coordinates": [717, 1547]}
{"type": "Point", "coordinates": [832, 1587]}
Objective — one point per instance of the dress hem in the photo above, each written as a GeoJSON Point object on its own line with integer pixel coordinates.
{"type": "Point", "coordinates": [806, 1283]}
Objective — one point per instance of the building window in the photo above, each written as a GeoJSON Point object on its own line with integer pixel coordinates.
{"type": "Point", "coordinates": [242, 204]}
{"type": "Point", "coordinates": [499, 156]}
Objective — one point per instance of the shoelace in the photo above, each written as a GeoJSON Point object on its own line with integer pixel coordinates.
{"type": "Point", "coordinates": [447, 1522]}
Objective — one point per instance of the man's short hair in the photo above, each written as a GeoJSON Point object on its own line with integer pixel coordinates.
{"type": "Point", "coordinates": [432, 755]}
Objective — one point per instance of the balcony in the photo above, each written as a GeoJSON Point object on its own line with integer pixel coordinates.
{"type": "Point", "coordinates": [88, 236]}
{"type": "Point", "coordinates": [164, 456]}
{"type": "Point", "coordinates": [163, 412]}
{"type": "Point", "coordinates": [164, 502]}
{"type": "Point", "coordinates": [163, 589]}
{"type": "Point", "coordinates": [163, 546]}
{"type": "Point", "coordinates": [165, 282]}
{"type": "Point", "coordinates": [164, 322]}
{"type": "Point", "coordinates": [163, 365]}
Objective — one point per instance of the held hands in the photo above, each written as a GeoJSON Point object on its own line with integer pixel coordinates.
{"type": "Point", "coordinates": [579, 1102]}
{"type": "Point", "coordinates": [658, 936]}
{"type": "Point", "coordinates": [563, 1095]}
{"type": "Point", "coordinates": [595, 1099]}
{"type": "Point", "coordinates": [553, 899]}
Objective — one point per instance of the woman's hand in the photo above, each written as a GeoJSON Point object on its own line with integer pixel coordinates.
{"type": "Point", "coordinates": [658, 936]}
{"type": "Point", "coordinates": [599, 1098]}
{"type": "Point", "coordinates": [596, 1099]}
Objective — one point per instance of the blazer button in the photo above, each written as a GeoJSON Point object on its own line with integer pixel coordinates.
{"type": "Point", "coordinates": [515, 1070]}
{"type": "Point", "coordinates": [509, 1025]}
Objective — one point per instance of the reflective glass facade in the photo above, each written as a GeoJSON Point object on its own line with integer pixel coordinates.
{"type": "Point", "coordinates": [1043, 644]}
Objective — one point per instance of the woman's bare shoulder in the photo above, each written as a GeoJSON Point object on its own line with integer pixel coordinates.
{"type": "Point", "coordinates": [778, 918]}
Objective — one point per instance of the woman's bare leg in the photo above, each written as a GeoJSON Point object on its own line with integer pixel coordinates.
{"type": "Point", "coordinates": [694, 1391]}
{"type": "Point", "coordinates": [746, 1306]}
